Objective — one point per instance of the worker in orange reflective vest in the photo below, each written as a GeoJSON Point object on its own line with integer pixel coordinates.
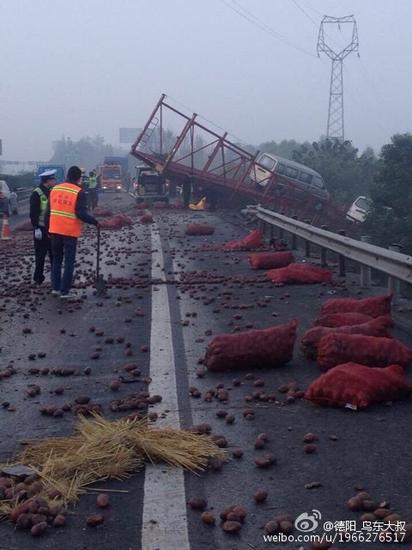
{"type": "Point", "coordinates": [67, 209]}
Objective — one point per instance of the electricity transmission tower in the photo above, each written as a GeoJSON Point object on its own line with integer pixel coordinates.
{"type": "Point", "coordinates": [335, 128]}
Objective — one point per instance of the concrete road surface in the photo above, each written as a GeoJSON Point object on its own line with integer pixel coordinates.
{"type": "Point", "coordinates": [170, 294]}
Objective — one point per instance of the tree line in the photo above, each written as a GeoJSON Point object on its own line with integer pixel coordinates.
{"type": "Point", "coordinates": [385, 178]}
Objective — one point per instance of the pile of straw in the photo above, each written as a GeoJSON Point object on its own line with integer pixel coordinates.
{"type": "Point", "coordinates": [101, 450]}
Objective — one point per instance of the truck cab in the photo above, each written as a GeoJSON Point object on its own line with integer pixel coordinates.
{"type": "Point", "coordinates": [150, 186]}
{"type": "Point", "coordinates": [111, 177]}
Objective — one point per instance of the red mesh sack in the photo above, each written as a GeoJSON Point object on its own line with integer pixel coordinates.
{"type": "Point", "coordinates": [198, 229]}
{"type": "Point", "coordinates": [147, 218]}
{"type": "Point", "coordinates": [101, 212]}
{"type": "Point", "coordinates": [253, 240]}
{"type": "Point", "coordinates": [299, 274]}
{"type": "Point", "coordinates": [375, 307]}
{"type": "Point", "coordinates": [372, 351]}
{"type": "Point", "coordinates": [116, 222]}
{"type": "Point", "coordinates": [270, 260]}
{"type": "Point", "coordinates": [342, 319]}
{"type": "Point", "coordinates": [356, 386]}
{"type": "Point", "coordinates": [375, 327]}
{"type": "Point", "coordinates": [268, 347]}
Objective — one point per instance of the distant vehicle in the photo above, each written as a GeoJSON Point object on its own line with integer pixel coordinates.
{"type": "Point", "coordinates": [119, 161]}
{"type": "Point", "coordinates": [110, 177]}
{"type": "Point", "coordinates": [8, 200]}
{"type": "Point", "coordinates": [60, 172]}
{"type": "Point", "coordinates": [359, 209]}
{"type": "Point", "coordinates": [149, 185]}
{"type": "Point", "coordinates": [298, 174]}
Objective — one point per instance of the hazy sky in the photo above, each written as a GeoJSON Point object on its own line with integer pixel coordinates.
{"type": "Point", "coordinates": [88, 67]}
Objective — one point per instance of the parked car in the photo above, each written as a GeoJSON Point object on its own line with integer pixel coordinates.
{"type": "Point", "coordinates": [8, 199]}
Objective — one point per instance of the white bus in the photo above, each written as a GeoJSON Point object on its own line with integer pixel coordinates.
{"type": "Point", "coordinates": [300, 175]}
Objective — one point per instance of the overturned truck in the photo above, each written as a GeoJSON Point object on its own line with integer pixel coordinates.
{"type": "Point", "coordinates": [220, 169]}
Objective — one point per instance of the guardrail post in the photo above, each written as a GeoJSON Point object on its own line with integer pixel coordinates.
{"type": "Point", "coordinates": [294, 243]}
{"type": "Point", "coordinates": [341, 259]}
{"type": "Point", "coordinates": [323, 262]}
{"type": "Point", "coordinates": [394, 284]}
{"type": "Point", "coordinates": [307, 243]}
{"type": "Point", "coordinates": [365, 271]}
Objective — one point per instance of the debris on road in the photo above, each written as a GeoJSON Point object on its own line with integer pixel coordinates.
{"type": "Point", "coordinates": [99, 450]}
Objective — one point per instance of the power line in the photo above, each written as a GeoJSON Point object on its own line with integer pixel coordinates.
{"type": "Point", "coordinates": [251, 18]}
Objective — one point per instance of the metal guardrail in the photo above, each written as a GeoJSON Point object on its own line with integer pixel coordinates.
{"type": "Point", "coordinates": [23, 192]}
{"type": "Point", "coordinates": [396, 265]}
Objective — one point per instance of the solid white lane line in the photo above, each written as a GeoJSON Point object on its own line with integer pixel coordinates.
{"type": "Point", "coordinates": [164, 506]}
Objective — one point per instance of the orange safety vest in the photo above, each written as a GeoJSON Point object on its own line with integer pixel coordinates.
{"type": "Point", "coordinates": [63, 219]}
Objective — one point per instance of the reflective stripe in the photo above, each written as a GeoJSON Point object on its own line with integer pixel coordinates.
{"type": "Point", "coordinates": [64, 214]}
{"type": "Point", "coordinates": [61, 188]}
{"type": "Point", "coordinates": [44, 201]}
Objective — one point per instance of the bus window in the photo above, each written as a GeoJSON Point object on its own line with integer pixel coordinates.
{"type": "Point", "coordinates": [281, 169]}
{"type": "Point", "coordinates": [267, 161]}
{"type": "Point", "coordinates": [291, 172]}
{"type": "Point", "coordinates": [318, 182]}
{"type": "Point", "coordinates": [304, 177]}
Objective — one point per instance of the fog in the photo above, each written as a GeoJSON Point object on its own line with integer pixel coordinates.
{"type": "Point", "coordinates": [87, 67]}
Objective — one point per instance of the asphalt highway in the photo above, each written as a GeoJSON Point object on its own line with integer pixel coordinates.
{"type": "Point", "coordinates": [168, 295]}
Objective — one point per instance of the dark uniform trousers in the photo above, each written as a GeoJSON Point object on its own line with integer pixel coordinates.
{"type": "Point", "coordinates": [42, 248]}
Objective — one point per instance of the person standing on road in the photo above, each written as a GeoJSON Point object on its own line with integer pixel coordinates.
{"type": "Point", "coordinates": [93, 193]}
{"type": "Point", "coordinates": [68, 208]}
{"type": "Point", "coordinates": [39, 202]}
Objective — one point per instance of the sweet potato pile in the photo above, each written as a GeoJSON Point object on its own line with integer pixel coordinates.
{"type": "Point", "coordinates": [116, 222]}
{"type": "Point", "coordinates": [299, 274]}
{"type": "Point", "coordinates": [373, 351]}
{"type": "Point", "coordinates": [251, 241]}
{"type": "Point", "coordinates": [199, 229]}
{"type": "Point", "coordinates": [268, 347]}
{"type": "Point", "coordinates": [358, 386]}
{"type": "Point", "coordinates": [270, 260]}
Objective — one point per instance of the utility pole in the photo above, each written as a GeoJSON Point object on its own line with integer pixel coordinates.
{"type": "Point", "coordinates": [336, 128]}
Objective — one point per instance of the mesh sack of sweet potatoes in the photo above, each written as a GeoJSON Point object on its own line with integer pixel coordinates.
{"type": "Point", "coordinates": [270, 260]}
{"type": "Point", "coordinates": [269, 347]}
{"type": "Point", "coordinates": [251, 241]}
{"type": "Point", "coordinates": [199, 229]}
{"type": "Point", "coordinates": [375, 327]}
{"type": "Point", "coordinates": [299, 274]}
{"type": "Point", "coordinates": [357, 386]}
{"type": "Point", "coordinates": [116, 222]}
{"type": "Point", "coordinates": [102, 212]}
{"type": "Point", "coordinates": [375, 306]}
{"type": "Point", "coordinates": [146, 218]}
{"type": "Point", "coordinates": [371, 351]}
{"type": "Point", "coordinates": [342, 319]}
